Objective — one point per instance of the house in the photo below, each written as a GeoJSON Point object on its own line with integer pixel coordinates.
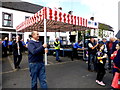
{"type": "Point", "coordinates": [13, 13]}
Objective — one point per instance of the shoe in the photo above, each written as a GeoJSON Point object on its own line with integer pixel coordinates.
{"type": "Point", "coordinates": [15, 69]}
{"type": "Point", "coordinates": [96, 81]}
{"type": "Point", "coordinates": [18, 67]}
{"type": "Point", "coordinates": [59, 61]}
{"type": "Point", "coordinates": [90, 70]}
{"type": "Point", "coordinates": [101, 83]}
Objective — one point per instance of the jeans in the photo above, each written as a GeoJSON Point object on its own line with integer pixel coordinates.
{"type": "Point", "coordinates": [109, 61]}
{"type": "Point", "coordinates": [92, 62]}
{"type": "Point", "coordinates": [57, 54]}
{"type": "Point", "coordinates": [37, 70]}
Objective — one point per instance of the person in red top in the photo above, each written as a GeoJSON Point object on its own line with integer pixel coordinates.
{"type": "Point", "coordinates": [115, 69]}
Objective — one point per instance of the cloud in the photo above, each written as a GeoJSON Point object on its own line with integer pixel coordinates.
{"type": "Point", "coordinates": [105, 11]}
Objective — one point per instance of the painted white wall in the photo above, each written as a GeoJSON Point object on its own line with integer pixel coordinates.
{"type": "Point", "coordinates": [18, 16]}
{"type": "Point", "coordinates": [50, 34]}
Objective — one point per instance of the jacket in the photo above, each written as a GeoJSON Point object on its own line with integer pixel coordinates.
{"type": "Point", "coordinates": [15, 48]}
{"type": "Point", "coordinates": [35, 51]}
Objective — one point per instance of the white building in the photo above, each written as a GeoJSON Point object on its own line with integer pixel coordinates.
{"type": "Point", "coordinates": [13, 13]}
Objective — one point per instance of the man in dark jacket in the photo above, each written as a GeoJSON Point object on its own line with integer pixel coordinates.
{"type": "Point", "coordinates": [36, 63]}
{"type": "Point", "coordinates": [92, 54]}
{"type": "Point", "coordinates": [17, 52]}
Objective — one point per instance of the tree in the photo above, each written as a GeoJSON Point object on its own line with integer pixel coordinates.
{"type": "Point", "coordinates": [104, 27]}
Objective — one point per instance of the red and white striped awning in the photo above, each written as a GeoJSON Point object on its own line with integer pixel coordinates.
{"type": "Point", "coordinates": [57, 21]}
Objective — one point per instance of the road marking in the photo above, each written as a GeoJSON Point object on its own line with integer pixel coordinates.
{"type": "Point", "coordinates": [50, 62]}
{"type": "Point", "coordinates": [7, 72]}
{"type": "Point", "coordinates": [11, 62]}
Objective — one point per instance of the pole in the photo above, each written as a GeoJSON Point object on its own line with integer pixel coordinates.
{"type": "Point", "coordinates": [17, 43]}
{"type": "Point", "coordinates": [45, 40]}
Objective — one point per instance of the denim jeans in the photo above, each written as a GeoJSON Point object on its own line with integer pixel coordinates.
{"type": "Point", "coordinates": [92, 62]}
{"type": "Point", "coordinates": [57, 54]}
{"type": "Point", "coordinates": [37, 70]}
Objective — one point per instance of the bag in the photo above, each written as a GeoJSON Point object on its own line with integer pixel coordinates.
{"type": "Point", "coordinates": [116, 81]}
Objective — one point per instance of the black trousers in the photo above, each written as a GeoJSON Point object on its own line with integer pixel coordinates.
{"type": "Point", "coordinates": [17, 60]}
{"type": "Point", "coordinates": [109, 61]}
{"type": "Point", "coordinates": [5, 51]}
{"type": "Point", "coordinates": [101, 71]}
{"type": "Point", "coordinates": [74, 54]}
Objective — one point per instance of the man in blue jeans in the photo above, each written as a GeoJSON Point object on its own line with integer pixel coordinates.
{"type": "Point", "coordinates": [36, 63]}
{"type": "Point", "coordinates": [92, 50]}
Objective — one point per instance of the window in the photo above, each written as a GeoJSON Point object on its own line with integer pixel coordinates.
{"type": "Point", "coordinates": [7, 20]}
{"type": "Point", "coordinates": [63, 40]}
{"type": "Point", "coordinates": [26, 17]}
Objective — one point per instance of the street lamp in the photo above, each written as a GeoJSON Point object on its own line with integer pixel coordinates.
{"type": "Point", "coordinates": [60, 8]}
{"type": "Point", "coordinates": [70, 12]}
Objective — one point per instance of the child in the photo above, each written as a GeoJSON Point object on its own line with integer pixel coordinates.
{"type": "Point", "coordinates": [101, 56]}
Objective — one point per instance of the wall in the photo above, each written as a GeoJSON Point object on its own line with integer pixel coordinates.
{"type": "Point", "coordinates": [18, 16]}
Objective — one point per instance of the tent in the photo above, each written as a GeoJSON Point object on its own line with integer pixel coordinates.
{"type": "Point", "coordinates": [54, 20]}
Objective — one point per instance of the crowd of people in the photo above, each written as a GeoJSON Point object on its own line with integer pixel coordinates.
{"type": "Point", "coordinates": [99, 52]}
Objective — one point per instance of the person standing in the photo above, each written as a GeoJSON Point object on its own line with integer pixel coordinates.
{"type": "Point", "coordinates": [36, 63]}
{"type": "Point", "coordinates": [109, 48]}
{"type": "Point", "coordinates": [5, 46]}
{"type": "Point", "coordinates": [104, 41]}
{"type": "Point", "coordinates": [115, 69]}
{"type": "Point", "coordinates": [10, 46]}
{"type": "Point", "coordinates": [92, 54]}
{"type": "Point", "coordinates": [75, 47]}
{"type": "Point", "coordinates": [57, 48]}
{"type": "Point", "coordinates": [100, 64]}
{"type": "Point", "coordinates": [17, 47]}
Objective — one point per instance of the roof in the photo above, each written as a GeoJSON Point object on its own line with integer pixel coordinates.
{"type": "Point", "coordinates": [56, 21]}
{"type": "Point", "coordinates": [22, 6]}
{"type": "Point", "coordinates": [118, 34]}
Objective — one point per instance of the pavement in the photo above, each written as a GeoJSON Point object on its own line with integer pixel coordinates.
{"type": "Point", "coordinates": [65, 74]}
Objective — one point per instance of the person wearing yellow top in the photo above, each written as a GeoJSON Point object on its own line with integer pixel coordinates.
{"type": "Point", "coordinates": [57, 47]}
{"type": "Point", "coordinates": [101, 57]}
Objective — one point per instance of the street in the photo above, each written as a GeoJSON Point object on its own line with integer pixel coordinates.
{"type": "Point", "coordinates": [65, 74]}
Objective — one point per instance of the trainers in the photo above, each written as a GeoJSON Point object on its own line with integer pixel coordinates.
{"type": "Point", "coordinates": [97, 81]}
{"type": "Point", "coordinates": [101, 83]}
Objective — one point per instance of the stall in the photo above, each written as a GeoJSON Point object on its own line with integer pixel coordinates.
{"type": "Point", "coordinates": [54, 20]}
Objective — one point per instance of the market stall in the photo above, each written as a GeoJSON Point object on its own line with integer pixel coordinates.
{"type": "Point", "coordinates": [54, 20]}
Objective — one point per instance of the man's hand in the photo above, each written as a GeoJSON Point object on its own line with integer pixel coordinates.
{"type": "Point", "coordinates": [45, 45]}
{"type": "Point", "coordinates": [16, 41]}
{"type": "Point", "coordinates": [46, 50]}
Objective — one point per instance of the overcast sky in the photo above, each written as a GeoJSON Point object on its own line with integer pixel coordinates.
{"type": "Point", "coordinates": [104, 11]}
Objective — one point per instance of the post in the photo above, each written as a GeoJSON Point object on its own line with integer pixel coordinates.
{"type": "Point", "coordinates": [17, 44]}
{"type": "Point", "coordinates": [45, 40]}
{"type": "Point", "coordinates": [76, 36]}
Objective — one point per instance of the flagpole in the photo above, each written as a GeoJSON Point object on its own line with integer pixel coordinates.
{"type": "Point", "coordinates": [45, 37]}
